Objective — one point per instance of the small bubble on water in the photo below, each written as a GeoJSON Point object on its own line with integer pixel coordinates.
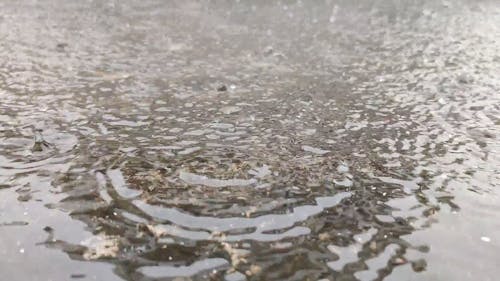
{"type": "Point", "coordinates": [21, 251]}
{"type": "Point", "coordinates": [485, 239]}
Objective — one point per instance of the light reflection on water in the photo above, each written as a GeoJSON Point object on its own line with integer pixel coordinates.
{"type": "Point", "coordinates": [350, 141]}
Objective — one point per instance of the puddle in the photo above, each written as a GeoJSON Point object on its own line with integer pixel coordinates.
{"type": "Point", "coordinates": [199, 141]}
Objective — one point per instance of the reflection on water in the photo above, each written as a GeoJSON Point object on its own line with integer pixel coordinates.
{"type": "Point", "coordinates": [249, 140]}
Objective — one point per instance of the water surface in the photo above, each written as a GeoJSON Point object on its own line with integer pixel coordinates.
{"type": "Point", "coordinates": [262, 140]}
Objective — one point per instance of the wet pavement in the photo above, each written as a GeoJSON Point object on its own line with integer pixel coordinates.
{"type": "Point", "coordinates": [249, 140]}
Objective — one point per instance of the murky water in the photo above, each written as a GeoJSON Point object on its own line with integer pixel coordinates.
{"type": "Point", "coordinates": [252, 140]}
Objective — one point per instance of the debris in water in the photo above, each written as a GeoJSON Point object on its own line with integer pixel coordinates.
{"type": "Point", "coordinates": [419, 265]}
{"type": "Point", "coordinates": [254, 270]}
{"type": "Point", "coordinates": [324, 236]}
{"type": "Point", "coordinates": [238, 256]}
{"type": "Point", "coordinates": [40, 143]}
{"type": "Point", "coordinates": [24, 197]}
{"type": "Point", "coordinates": [222, 88]}
{"type": "Point", "coordinates": [268, 50]}
{"type": "Point", "coordinates": [61, 46]}
{"type": "Point", "coordinates": [101, 246]}
{"type": "Point", "coordinates": [48, 229]}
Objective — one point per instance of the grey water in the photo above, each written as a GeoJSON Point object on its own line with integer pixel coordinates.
{"type": "Point", "coordinates": [249, 140]}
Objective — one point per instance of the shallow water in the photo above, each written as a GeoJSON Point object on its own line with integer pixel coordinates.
{"type": "Point", "coordinates": [194, 140]}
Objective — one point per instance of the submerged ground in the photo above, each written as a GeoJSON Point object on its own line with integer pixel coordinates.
{"type": "Point", "coordinates": [252, 140]}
